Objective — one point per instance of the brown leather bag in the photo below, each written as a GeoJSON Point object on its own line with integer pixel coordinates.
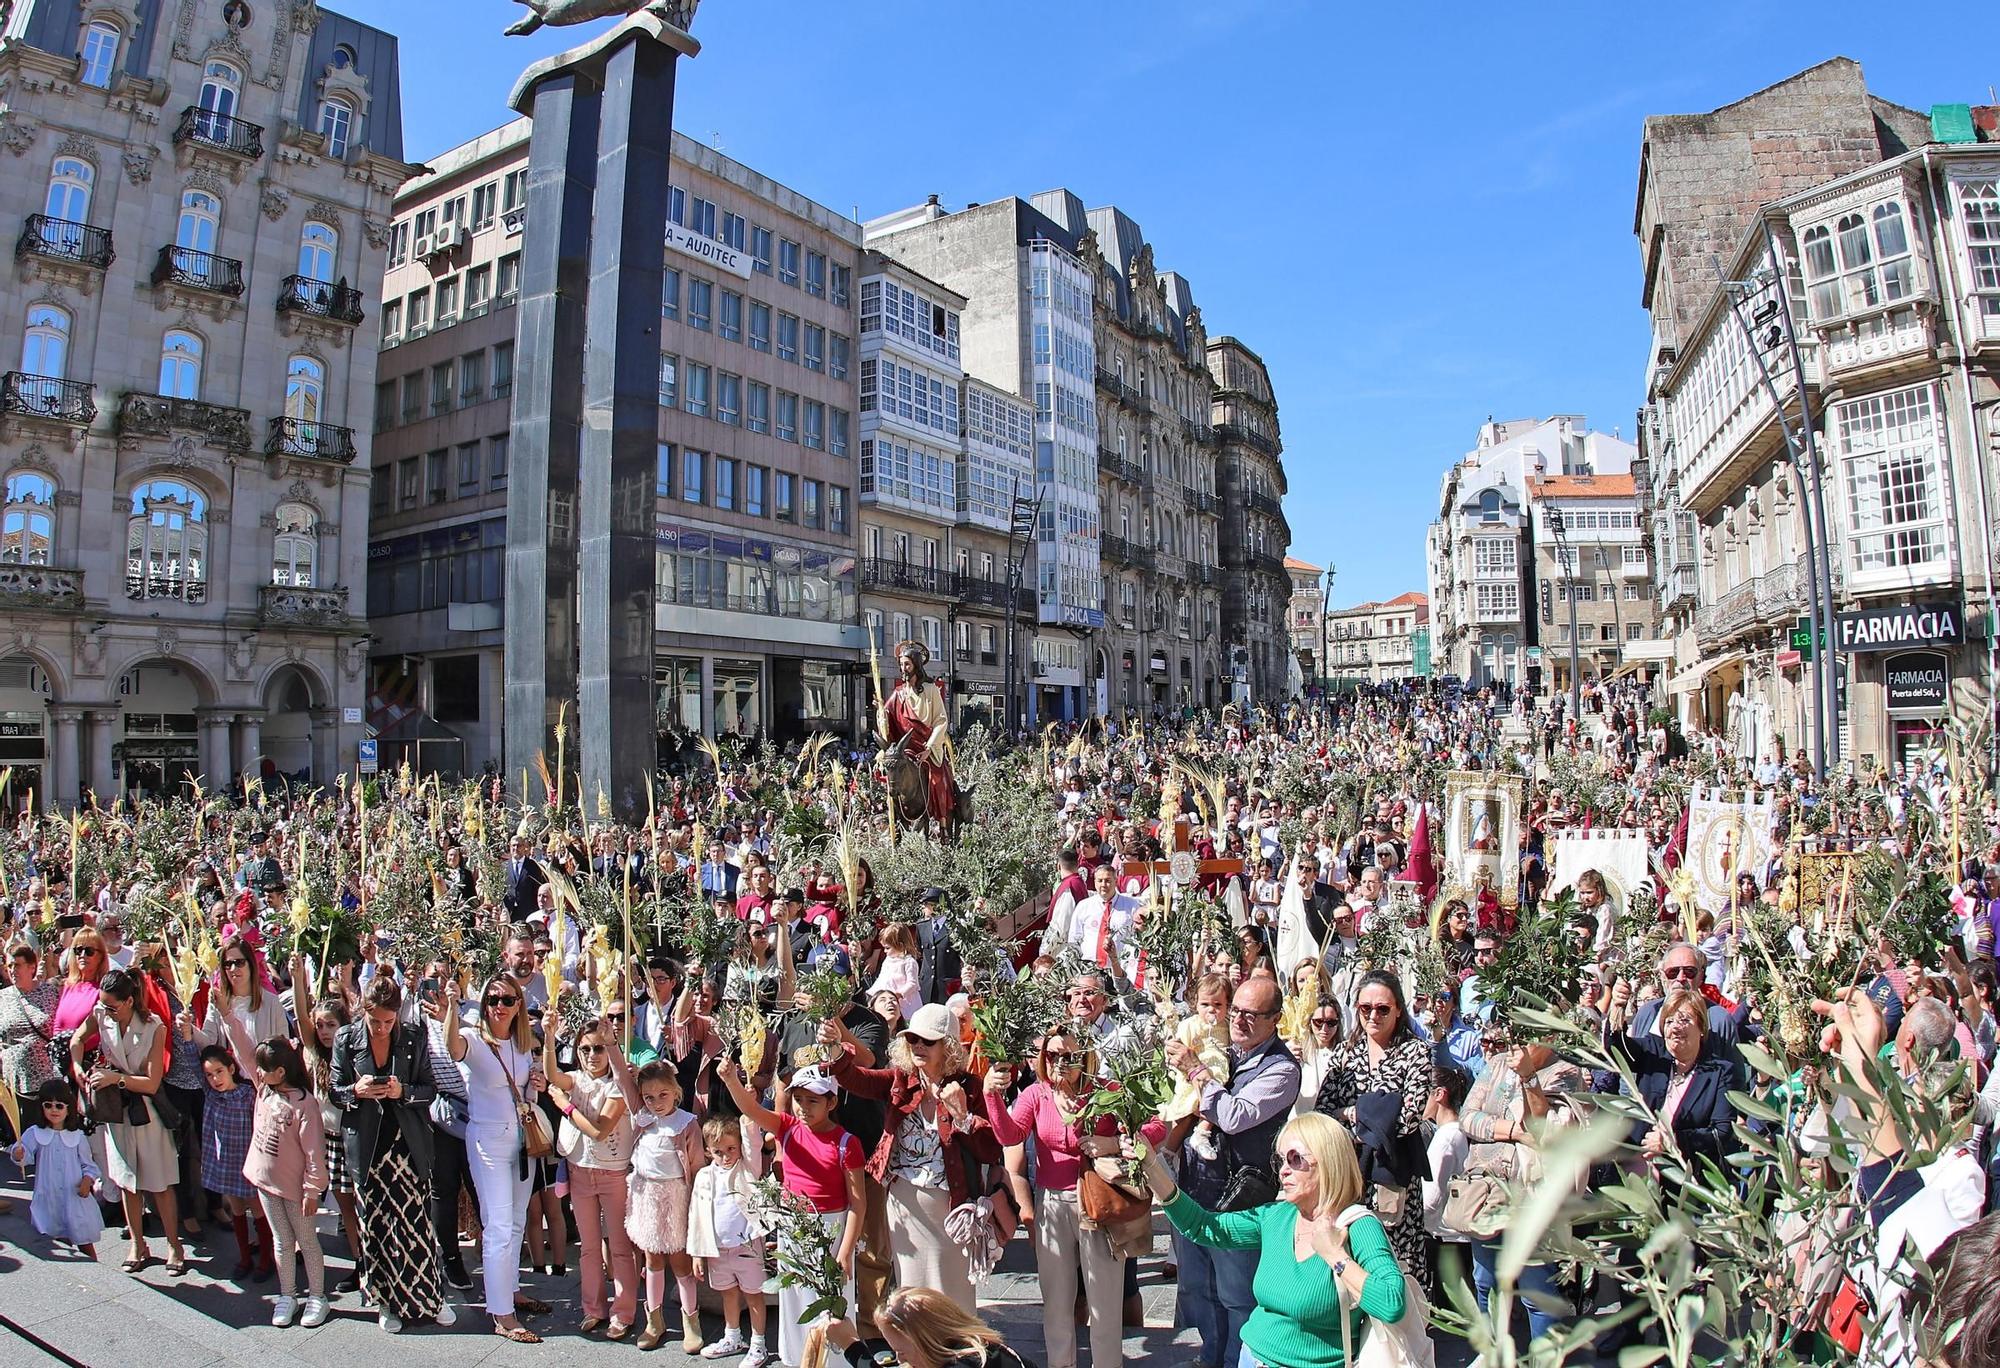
{"type": "Point", "coordinates": [1105, 1203]}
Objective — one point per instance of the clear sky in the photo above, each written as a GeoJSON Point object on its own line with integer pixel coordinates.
{"type": "Point", "coordinates": [1418, 216]}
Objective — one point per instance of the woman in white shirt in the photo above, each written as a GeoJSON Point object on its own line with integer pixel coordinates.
{"type": "Point", "coordinates": [497, 1061]}
{"type": "Point", "coordinates": [238, 993]}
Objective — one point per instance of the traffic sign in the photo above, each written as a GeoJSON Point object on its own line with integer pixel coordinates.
{"type": "Point", "coordinates": [369, 764]}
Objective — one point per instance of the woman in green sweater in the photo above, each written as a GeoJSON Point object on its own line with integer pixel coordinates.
{"type": "Point", "coordinates": [1302, 1239]}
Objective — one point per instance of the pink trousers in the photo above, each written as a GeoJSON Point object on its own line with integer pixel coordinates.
{"type": "Point", "coordinates": [597, 1196]}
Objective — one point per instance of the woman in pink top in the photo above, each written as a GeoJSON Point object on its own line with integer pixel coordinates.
{"type": "Point", "coordinates": [1047, 1109]}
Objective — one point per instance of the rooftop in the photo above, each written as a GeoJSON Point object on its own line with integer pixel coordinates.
{"type": "Point", "coordinates": [1582, 487]}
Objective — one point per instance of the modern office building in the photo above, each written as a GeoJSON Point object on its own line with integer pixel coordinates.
{"type": "Point", "coordinates": [757, 620]}
{"type": "Point", "coordinates": [201, 191]}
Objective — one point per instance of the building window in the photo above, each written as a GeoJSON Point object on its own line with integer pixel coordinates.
{"type": "Point", "coordinates": [836, 510]}
{"type": "Point", "coordinates": [1979, 206]}
{"type": "Point", "coordinates": [788, 338]}
{"type": "Point", "coordinates": [871, 306]}
{"type": "Point", "coordinates": [1498, 602]}
{"type": "Point", "coordinates": [478, 290]}
{"type": "Point", "coordinates": [1892, 462]}
{"type": "Point", "coordinates": [1859, 262]}
{"type": "Point", "coordinates": [788, 261]}
{"type": "Point", "coordinates": [729, 323]}
{"type": "Point", "coordinates": [166, 543]}
{"type": "Point", "coordinates": [728, 397]}
{"type": "Point", "coordinates": [503, 369]}
{"type": "Point", "coordinates": [319, 248]}
{"type": "Point", "coordinates": [781, 497]}
{"type": "Point", "coordinates": [392, 322]}
{"type": "Point", "coordinates": [507, 283]}
{"type": "Point", "coordinates": [816, 274]}
{"type": "Point", "coordinates": [836, 432]}
{"type": "Point", "coordinates": [664, 457]}
{"type": "Point", "coordinates": [468, 470]}
{"type": "Point", "coordinates": [700, 217]}
{"type": "Point", "coordinates": [837, 356]}
{"type": "Point", "coordinates": [815, 347]}
{"type": "Point", "coordinates": [734, 230]}
{"type": "Point", "coordinates": [757, 418]}
{"type": "Point", "coordinates": [70, 182]}
{"type": "Point", "coordinates": [693, 467]}
{"type": "Point", "coordinates": [513, 191]}
{"type": "Point", "coordinates": [700, 297]}
{"type": "Point", "coordinates": [485, 202]}
{"type": "Point", "coordinates": [28, 528]}
{"type": "Point", "coordinates": [695, 391]}
{"type": "Point", "coordinates": [760, 250]}
{"type": "Point", "coordinates": [420, 313]}
{"type": "Point", "coordinates": [196, 231]}
{"type": "Point", "coordinates": [496, 462]}
{"type": "Point", "coordinates": [305, 389]}
{"type": "Point", "coordinates": [760, 326]}
{"type": "Point", "coordinates": [220, 83]}
{"type": "Point", "coordinates": [180, 365]}
{"type": "Point", "coordinates": [809, 503]}
{"type": "Point", "coordinates": [725, 483]}
{"type": "Point", "coordinates": [1493, 556]}
{"type": "Point", "coordinates": [753, 490]}
{"type": "Point", "coordinates": [670, 394]}
{"type": "Point", "coordinates": [441, 388]}
{"type": "Point", "coordinates": [843, 283]}
{"type": "Point", "coordinates": [447, 302]}
{"type": "Point", "coordinates": [814, 436]}
{"type": "Point", "coordinates": [294, 545]}
{"type": "Point", "coordinates": [336, 125]}
{"type": "Point", "coordinates": [788, 417]}
{"type": "Point", "coordinates": [670, 294]}
{"type": "Point", "coordinates": [471, 378]}
{"type": "Point", "coordinates": [99, 57]}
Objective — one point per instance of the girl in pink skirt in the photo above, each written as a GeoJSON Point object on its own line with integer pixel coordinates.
{"type": "Point", "coordinates": [666, 1153]}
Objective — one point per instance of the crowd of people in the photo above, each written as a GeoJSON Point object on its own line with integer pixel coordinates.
{"type": "Point", "coordinates": [337, 1048]}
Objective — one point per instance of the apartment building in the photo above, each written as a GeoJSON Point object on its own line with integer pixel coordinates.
{"type": "Point", "coordinates": [756, 593]}
{"type": "Point", "coordinates": [1375, 643]}
{"type": "Point", "coordinates": [1305, 618]}
{"type": "Point", "coordinates": [1250, 466]}
{"type": "Point", "coordinates": [201, 190]}
{"type": "Point", "coordinates": [1862, 236]}
{"type": "Point", "coordinates": [1591, 553]}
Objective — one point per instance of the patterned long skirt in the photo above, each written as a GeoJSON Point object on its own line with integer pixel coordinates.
{"type": "Point", "coordinates": [401, 1275]}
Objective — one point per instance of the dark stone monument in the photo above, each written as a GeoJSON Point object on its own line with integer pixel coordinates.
{"type": "Point", "coordinates": [579, 614]}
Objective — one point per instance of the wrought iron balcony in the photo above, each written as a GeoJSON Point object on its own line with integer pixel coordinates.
{"type": "Point", "coordinates": [1108, 382]}
{"type": "Point", "coordinates": [302, 294]}
{"type": "Point", "coordinates": [310, 441]}
{"type": "Point", "coordinates": [977, 589]}
{"type": "Point", "coordinates": [1119, 467]}
{"type": "Point", "coordinates": [1265, 504]}
{"type": "Point", "coordinates": [56, 239]}
{"type": "Point", "coordinates": [147, 585]}
{"type": "Point", "coordinates": [284, 605]}
{"type": "Point", "coordinates": [40, 586]}
{"type": "Point", "coordinates": [1132, 399]}
{"type": "Point", "coordinates": [159, 415]}
{"type": "Point", "coordinates": [882, 573]}
{"type": "Point", "coordinates": [1122, 551]}
{"type": "Point", "coordinates": [224, 132]}
{"type": "Point", "coordinates": [192, 270]}
{"type": "Point", "coordinates": [1236, 432]}
{"type": "Point", "coordinates": [1203, 501]}
{"type": "Point", "coordinates": [43, 396]}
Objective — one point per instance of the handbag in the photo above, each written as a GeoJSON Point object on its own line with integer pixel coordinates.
{"type": "Point", "coordinates": [536, 1142]}
{"type": "Point", "coordinates": [136, 1111]}
{"type": "Point", "coordinates": [1104, 1203]}
{"type": "Point", "coordinates": [1476, 1204]}
{"type": "Point", "coordinates": [1248, 1187]}
{"type": "Point", "coordinates": [1405, 1343]}
{"type": "Point", "coordinates": [164, 1108]}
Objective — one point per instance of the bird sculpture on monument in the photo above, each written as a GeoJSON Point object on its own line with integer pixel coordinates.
{"type": "Point", "coordinates": [679, 13]}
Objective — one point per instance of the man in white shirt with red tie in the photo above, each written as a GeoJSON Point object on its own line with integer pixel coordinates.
{"type": "Point", "coordinates": [1100, 927]}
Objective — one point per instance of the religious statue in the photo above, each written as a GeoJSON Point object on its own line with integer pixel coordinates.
{"type": "Point", "coordinates": [917, 763]}
{"type": "Point", "coordinates": [679, 13]}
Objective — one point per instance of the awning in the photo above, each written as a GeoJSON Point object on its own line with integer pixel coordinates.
{"type": "Point", "coordinates": [1649, 650]}
{"type": "Point", "coordinates": [1688, 680]}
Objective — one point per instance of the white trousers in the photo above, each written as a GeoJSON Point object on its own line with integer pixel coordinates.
{"type": "Point", "coordinates": [493, 1153]}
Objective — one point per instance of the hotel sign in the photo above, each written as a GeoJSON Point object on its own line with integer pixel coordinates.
{"type": "Point", "coordinates": [717, 254]}
{"type": "Point", "coordinates": [1901, 627]}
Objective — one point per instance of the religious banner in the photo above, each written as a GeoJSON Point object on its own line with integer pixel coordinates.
{"type": "Point", "coordinates": [1482, 833]}
{"type": "Point", "coordinates": [1618, 853]}
{"type": "Point", "coordinates": [1825, 887]}
{"type": "Point", "coordinates": [1726, 837]}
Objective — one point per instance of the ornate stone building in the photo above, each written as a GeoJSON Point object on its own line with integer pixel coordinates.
{"type": "Point", "coordinates": [1256, 586]}
{"type": "Point", "coordinates": [199, 185]}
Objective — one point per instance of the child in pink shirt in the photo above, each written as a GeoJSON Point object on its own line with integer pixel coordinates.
{"type": "Point", "coordinates": [287, 1166]}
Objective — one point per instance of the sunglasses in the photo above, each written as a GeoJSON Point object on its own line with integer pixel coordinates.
{"type": "Point", "coordinates": [1296, 1162]}
{"type": "Point", "coordinates": [1069, 1059]}
{"type": "Point", "coordinates": [1374, 1009]}
{"type": "Point", "coordinates": [614, 1017]}
{"type": "Point", "coordinates": [590, 1049]}
{"type": "Point", "coordinates": [236, 964]}
{"type": "Point", "coordinates": [1328, 1022]}
{"type": "Point", "coordinates": [1247, 1014]}
{"type": "Point", "coordinates": [87, 952]}
{"type": "Point", "coordinates": [1675, 971]}
{"type": "Point", "coordinates": [500, 1000]}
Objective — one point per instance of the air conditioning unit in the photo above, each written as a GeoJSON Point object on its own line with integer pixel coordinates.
{"type": "Point", "coordinates": [452, 235]}
{"type": "Point", "coordinates": [425, 246]}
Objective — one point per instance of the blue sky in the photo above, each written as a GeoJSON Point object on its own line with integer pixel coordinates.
{"type": "Point", "coordinates": [1419, 217]}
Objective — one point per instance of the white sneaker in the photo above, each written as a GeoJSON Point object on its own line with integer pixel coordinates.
{"type": "Point", "coordinates": [446, 1316]}
{"type": "Point", "coordinates": [316, 1313]}
{"type": "Point", "coordinates": [758, 1355]}
{"type": "Point", "coordinates": [730, 1344]}
{"type": "Point", "coordinates": [283, 1310]}
{"type": "Point", "coordinates": [391, 1323]}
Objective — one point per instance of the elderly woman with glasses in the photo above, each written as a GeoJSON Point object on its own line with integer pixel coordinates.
{"type": "Point", "coordinates": [1377, 1085]}
{"type": "Point", "coordinates": [936, 1131]}
{"type": "Point", "coordinates": [502, 1078]}
{"type": "Point", "coordinates": [1046, 1111]}
{"type": "Point", "coordinates": [27, 1015]}
{"type": "Point", "coordinates": [1322, 1261]}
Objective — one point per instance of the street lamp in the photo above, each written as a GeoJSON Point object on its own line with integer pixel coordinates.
{"type": "Point", "coordinates": [1325, 641]}
{"type": "Point", "coordinates": [1554, 518]}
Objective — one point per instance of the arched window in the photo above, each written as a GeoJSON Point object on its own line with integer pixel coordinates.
{"type": "Point", "coordinates": [45, 345]}
{"type": "Point", "coordinates": [200, 221]}
{"type": "Point", "coordinates": [70, 181]}
{"type": "Point", "coordinates": [180, 365]}
{"type": "Point", "coordinates": [305, 389]}
{"type": "Point", "coordinates": [220, 87]}
{"type": "Point", "coordinates": [166, 543]}
{"type": "Point", "coordinates": [343, 57]}
{"type": "Point", "coordinates": [336, 124]}
{"type": "Point", "coordinates": [295, 545]}
{"type": "Point", "coordinates": [98, 58]}
{"type": "Point", "coordinates": [28, 526]}
{"type": "Point", "coordinates": [319, 245]}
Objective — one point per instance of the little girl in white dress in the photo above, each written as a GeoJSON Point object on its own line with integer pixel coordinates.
{"type": "Point", "coordinates": [66, 1177]}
